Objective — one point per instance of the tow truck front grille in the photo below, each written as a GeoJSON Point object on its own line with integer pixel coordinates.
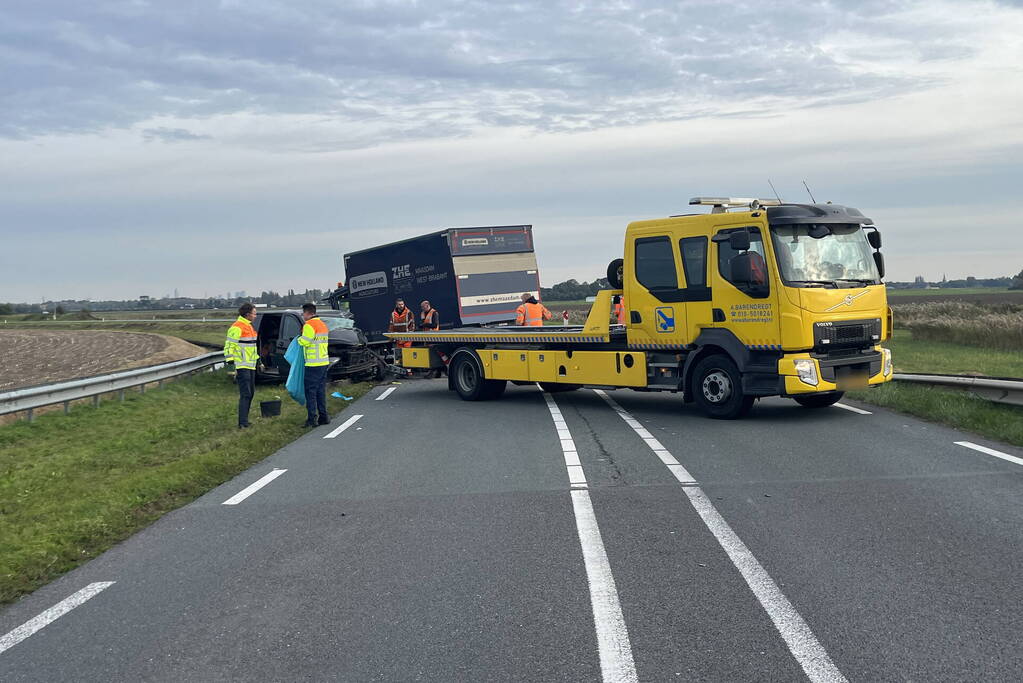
{"type": "Point", "coordinates": [857, 333]}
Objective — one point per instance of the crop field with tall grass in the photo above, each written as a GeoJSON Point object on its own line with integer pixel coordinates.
{"type": "Point", "coordinates": [987, 325]}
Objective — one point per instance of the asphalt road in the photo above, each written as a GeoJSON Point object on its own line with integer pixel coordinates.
{"type": "Point", "coordinates": [438, 540]}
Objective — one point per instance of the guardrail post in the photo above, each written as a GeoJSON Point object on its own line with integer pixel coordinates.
{"type": "Point", "coordinates": [142, 388]}
{"type": "Point", "coordinates": [95, 401]}
{"type": "Point", "coordinates": [30, 414]}
{"type": "Point", "coordinates": [67, 407]}
{"type": "Point", "coordinates": [120, 395]}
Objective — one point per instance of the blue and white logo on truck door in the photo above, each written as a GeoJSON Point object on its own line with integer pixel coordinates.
{"type": "Point", "coordinates": [664, 317]}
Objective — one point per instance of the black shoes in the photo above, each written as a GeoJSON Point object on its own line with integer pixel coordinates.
{"type": "Point", "coordinates": [309, 424]}
{"type": "Point", "coordinates": [324, 420]}
{"type": "Point", "coordinates": [244, 426]}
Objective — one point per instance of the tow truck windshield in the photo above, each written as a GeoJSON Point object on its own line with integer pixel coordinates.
{"type": "Point", "coordinates": [824, 256]}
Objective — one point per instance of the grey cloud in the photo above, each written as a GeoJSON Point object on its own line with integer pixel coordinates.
{"type": "Point", "coordinates": [171, 135]}
{"type": "Point", "coordinates": [552, 66]}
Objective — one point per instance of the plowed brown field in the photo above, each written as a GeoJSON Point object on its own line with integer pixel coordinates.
{"type": "Point", "coordinates": [30, 357]}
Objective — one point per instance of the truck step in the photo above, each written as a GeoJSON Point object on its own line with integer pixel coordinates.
{"type": "Point", "coordinates": [662, 365]}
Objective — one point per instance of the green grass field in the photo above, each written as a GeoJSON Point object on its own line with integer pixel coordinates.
{"type": "Point", "coordinates": [944, 358]}
{"type": "Point", "coordinates": [951, 407]}
{"type": "Point", "coordinates": [73, 485]}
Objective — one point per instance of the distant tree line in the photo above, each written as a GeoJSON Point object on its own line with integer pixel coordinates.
{"type": "Point", "coordinates": [573, 290]}
{"type": "Point", "coordinates": [919, 282]}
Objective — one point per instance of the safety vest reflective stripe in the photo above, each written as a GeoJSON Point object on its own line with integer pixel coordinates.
{"type": "Point", "coordinates": [532, 315]}
{"type": "Point", "coordinates": [314, 342]}
{"type": "Point", "coordinates": [428, 320]}
{"type": "Point", "coordinates": [240, 347]}
{"type": "Point", "coordinates": [401, 323]}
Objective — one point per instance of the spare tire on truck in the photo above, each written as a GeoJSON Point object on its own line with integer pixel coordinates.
{"type": "Point", "coordinates": [616, 273]}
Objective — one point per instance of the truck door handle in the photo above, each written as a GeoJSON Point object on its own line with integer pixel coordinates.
{"type": "Point", "coordinates": [635, 318]}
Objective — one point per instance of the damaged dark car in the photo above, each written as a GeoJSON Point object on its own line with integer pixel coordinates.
{"type": "Point", "coordinates": [350, 357]}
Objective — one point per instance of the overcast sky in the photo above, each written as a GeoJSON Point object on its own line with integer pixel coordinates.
{"type": "Point", "coordinates": [245, 145]}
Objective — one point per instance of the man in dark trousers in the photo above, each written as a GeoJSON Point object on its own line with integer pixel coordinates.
{"type": "Point", "coordinates": [314, 347]}
{"type": "Point", "coordinates": [240, 349]}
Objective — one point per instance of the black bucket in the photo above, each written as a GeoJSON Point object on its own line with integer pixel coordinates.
{"type": "Point", "coordinates": [270, 408]}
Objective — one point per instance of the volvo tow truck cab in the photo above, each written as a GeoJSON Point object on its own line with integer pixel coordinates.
{"type": "Point", "coordinates": [756, 298]}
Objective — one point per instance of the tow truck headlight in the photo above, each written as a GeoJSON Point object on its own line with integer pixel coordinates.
{"type": "Point", "coordinates": [886, 361]}
{"type": "Point", "coordinates": [807, 371]}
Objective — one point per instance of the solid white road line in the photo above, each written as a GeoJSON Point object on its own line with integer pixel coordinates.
{"type": "Point", "coordinates": [853, 409]}
{"type": "Point", "coordinates": [49, 616]}
{"type": "Point", "coordinates": [345, 425]}
{"type": "Point", "coordinates": [801, 641]}
{"type": "Point", "coordinates": [990, 451]}
{"type": "Point", "coordinates": [387, 392]}
{"type": "Point", "coordinates": [615, 650]}
{"type": "Point", "coordinates": [252, 488]}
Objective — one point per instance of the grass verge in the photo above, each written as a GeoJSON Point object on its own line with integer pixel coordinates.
{"type": "Point", "coordinates": [950, 407]}
{"type": "Point", "coordinates": [71, 486]}
{"type": "Point", "coordinates": [911, 354]}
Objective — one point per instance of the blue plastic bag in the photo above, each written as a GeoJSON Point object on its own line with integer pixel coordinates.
{"type": "Point", "coordinates": [296, 377]}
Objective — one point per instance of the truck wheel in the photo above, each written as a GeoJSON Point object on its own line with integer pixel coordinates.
{"type": "Point", "coordinates": [616, 273]}
{"type": "Point", "coordinates": [469, 382]}
{"type": "Point", "coordinates": [717, 388]}
{"type": "Point", "coordinates": [819, 400]}
{"type": "Point", "coordinates": [556, 388]}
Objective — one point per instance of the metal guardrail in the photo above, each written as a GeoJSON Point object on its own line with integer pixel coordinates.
{"type": "Point", "coordinates": [991, 388]}
{"type": "Point", "coordinates": [31, 398]}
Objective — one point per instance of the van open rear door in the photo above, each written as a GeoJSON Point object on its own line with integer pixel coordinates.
{"type": "Point", "coordinates": [493, 268]}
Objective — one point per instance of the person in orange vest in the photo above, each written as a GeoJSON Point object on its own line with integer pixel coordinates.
{"type": "Point", "coordinates": [402, 320]}
{"type": "Point", "coordinates": [429, 318]}
{"type": "Point", "coordinates": [314, 350]}
{"type": "Point", "coordinates": [619, 308]}
{"type": "Point", "coordinates": [531, 313]}
{"type": "Point", "coordinates": [240, 349]}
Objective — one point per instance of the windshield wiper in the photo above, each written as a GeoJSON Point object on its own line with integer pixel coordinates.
{"type": "Point", "coordinates": [815, 282]}
{"type": "Point", "coordinates": [862, 280]}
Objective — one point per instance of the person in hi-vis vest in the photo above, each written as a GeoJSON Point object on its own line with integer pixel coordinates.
{"type": "Point", "coordinates": [240, 349]}
{"type": "Point", "coordinates": [531, 313]}
{"type": "Point", "coordinates": [314, 347]}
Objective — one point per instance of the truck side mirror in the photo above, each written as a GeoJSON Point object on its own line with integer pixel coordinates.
{"type": "Point", "coordinates": [742, 270]}
{"type": "Point", "coordinates": [879, 262]}
{"type": "Point", "coordinates": [874, 238]}
{"type": "Point", "coordinates": [739, 240]}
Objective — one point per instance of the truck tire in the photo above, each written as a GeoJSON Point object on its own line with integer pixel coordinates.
{"type": "Point", "coordinates": [469, 382]}
{"type": "Point", "coordinates": [819, 400]}
{"type": "Point", "coordinates": [717, 388]}
{"type": "Point", "coordinates": [616, 273]}
{"type": "Point", "coordinates": [556, 388]}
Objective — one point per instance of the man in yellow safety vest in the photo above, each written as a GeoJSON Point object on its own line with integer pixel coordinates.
{"type": "Point", "coordinates": [314, 346]}
{"type": "Point", "coordinates": [531, 313]}
{"type": "Point", "coordinates": [240, 349]}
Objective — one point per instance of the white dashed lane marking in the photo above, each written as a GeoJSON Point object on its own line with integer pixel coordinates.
{"type": "Point", "coordinates": [387, 392]}
{"type": "Point", "coordinates": [801, 641]}
{"type": "Point", "coordinates": [853, 409]}
{"type": "Point", "coordinates": [990, 451]}
{"type": "Point", "coordinates": [345, 425]}
{"type": "Point", "coordinates": [253, 487]}
{"type": "Point", "coordinates": [49, 616]}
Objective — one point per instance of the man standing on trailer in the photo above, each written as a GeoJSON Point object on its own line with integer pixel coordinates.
{"type": "Point", "coordinates": [240, 349]}
{"type": "Point", "coordinates": [429, 318]}
{"type": "Point", "coordinates": [314, 347]}
{"type": "Point", "coordinates": [402, 320]}
{"type": "Point", "coordinates": [531, 313]}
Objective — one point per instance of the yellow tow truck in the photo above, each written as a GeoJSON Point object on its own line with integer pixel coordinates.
{"type": "Point", "coordinates": [756, 298]}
